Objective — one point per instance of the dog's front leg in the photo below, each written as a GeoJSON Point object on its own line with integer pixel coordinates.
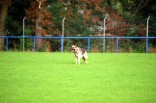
{"type": "Point", "coordinates": [79, 60]}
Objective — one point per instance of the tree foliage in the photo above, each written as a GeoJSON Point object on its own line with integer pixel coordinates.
{"type": "Point", "coordinates": [83, 17]}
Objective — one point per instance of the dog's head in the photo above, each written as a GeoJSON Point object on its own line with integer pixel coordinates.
{"type": "Point", "coordinates": [73, 48]}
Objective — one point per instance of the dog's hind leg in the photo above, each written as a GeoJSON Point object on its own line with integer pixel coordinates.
{"type": "Point", "coordinates": [76, 60]}
{"type": "Point", "coordinates": [86, 61]}
{"type": "Point", "coordinates": [85, 57]}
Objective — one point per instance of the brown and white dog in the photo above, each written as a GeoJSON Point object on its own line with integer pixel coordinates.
{"type": "Point", "coordinates": [79, 53]}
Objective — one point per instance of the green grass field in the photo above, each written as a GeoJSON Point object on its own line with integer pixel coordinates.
{"type": "Point", "coordinates": [55, 78]}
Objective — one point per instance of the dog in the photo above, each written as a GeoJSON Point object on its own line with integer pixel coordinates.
{"type": "Point", "coordinates": [79, 53]}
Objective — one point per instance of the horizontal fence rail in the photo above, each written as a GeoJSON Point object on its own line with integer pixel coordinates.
{"type": "Point", "coordinates": [78, 37]}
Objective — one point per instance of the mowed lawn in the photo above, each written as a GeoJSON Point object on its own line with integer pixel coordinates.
{"type": "Point", "coordinates": [55, 78]}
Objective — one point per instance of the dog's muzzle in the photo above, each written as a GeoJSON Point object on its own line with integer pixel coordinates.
{"type": "Point", "coordinates": [72, 49]}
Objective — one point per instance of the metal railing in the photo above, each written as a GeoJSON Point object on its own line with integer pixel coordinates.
{"type": "Point", "coordinates": [88, 38]}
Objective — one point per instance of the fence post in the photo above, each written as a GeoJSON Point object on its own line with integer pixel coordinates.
{"type": "Point", "coordinates": [6, 43]}
{"type": "Point", "coordinates": [89, 44]}
{"type": "Point", "coordinates": [147, 34]}
{"type": "Point", "coordinates": [23, 33]}
{"type": "Point", "coordinates": [62, 37]}
{"type": "Point", "coordinates": [104, 33]}
{"type": "Point", "coordinates": [146, 44]}
{"type": "Point", "coordinates": [117, 39]}
{"type": "Point", "coordinates": [34, 38]}
{"type": "Point", "coordinates": [61, 43]}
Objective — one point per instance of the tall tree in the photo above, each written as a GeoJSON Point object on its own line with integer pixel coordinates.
{"type": "Point", "coordinates": [4, 5]}
{"type": "Point", "coordinates": [39, 16]}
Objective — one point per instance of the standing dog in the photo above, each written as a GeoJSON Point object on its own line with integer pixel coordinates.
{"type": "Point", "coordinates": [79, 53]}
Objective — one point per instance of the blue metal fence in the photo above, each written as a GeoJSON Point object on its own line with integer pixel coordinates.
{"type": "Point", "coordinates": [77, 37]}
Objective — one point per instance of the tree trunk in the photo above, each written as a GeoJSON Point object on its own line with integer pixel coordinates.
{"type": "Point", "coordinates": [4, 4]}
{"type": "Point", "coordinates": [38, 26]}
{"type": "Point", "coordinates": [38, 30]}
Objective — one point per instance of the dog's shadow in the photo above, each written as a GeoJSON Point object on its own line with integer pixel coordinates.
{"type": "Point", "coordinates": [71, 62]}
